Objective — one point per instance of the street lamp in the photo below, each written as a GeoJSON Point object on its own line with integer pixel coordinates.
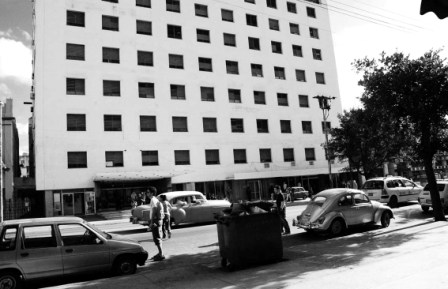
{"type": "Point", "coordinates": [325, 105]}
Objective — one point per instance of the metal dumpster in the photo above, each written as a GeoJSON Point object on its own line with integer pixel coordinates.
{"type": "Point", "coordinates": [249, 240]}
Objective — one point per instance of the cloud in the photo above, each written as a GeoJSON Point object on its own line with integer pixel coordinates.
{"type": "Point", "coordinates": [15, 60]}
{"type": "Point", "coordinates": [4, 90]}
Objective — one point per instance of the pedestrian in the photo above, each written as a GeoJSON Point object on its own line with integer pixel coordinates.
{"type": "Point", "coordinates": [156, 220]}
{"type": "Point", "coordinates": [281, 210]}
{"type": "Point", "coordinates": [133, 200]}
{"type": "Point", "coordinates": [166, 226]}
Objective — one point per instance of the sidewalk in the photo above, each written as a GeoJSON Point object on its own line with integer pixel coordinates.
{"type": "Point", "coordinates": [409, 256]}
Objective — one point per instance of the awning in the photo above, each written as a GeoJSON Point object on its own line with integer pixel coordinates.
{"type": "Point", "coordinates": [285, 173]}
{"type": "Point", "coordinates": [131, 176]}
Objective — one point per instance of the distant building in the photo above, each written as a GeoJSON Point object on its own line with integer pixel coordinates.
{"type": "Point", "coordinates": [215, 96]}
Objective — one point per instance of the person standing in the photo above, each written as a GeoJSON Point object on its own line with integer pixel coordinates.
{"type": "Point", "coordinates": [166, 226]}
{"type": "Point", "coordinates": [281, 210]}
{"type": "Point", "coordinates": [156, 214]}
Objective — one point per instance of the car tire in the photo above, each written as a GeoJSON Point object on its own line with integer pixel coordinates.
{"type": "Point", "coordinates": [385, 219]}
{"type": "Point", "coordinates": [10, 279]}
{"type": "Point", "coordinates": [337, 228]}
{"type": "Point", "coordinates": [425, 209]}
{"type": "Point", "coordinates": [125, 265]}
{"type": "Point", "coordinates": [393, 202]}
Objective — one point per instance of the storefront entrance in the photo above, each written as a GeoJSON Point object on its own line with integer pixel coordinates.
{"type": "Point", "coordinates": [72, 204]}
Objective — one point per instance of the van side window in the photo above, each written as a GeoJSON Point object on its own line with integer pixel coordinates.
{"type": "Point", "coordinates": [39, 237]}
{"type": "Point", "coordinates": [8, 239]}
{"type": "Point", "coordinates": [77, 235]}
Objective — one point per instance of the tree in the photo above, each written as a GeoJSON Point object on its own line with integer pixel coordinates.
{"type": "Point", "coordinates": [414, 94]}
{"type": "Point", "coordinates": [367, 139]}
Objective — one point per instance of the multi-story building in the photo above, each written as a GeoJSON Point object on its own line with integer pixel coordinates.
{"type": "Point", "coordinates": [215, 96]}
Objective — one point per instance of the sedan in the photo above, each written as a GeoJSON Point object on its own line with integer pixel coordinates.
{"type": "Point", "coordinates": [335, 210]}
{"type": "Point", "coordinates": [298, 193]}
{"type": "Point", "coordinates": [187, 207]}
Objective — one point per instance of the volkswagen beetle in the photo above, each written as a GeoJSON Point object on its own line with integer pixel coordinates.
{"type": "Point", "coordinates": [335, 210]}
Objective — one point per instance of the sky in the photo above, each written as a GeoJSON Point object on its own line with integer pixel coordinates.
{"type": "Point", "coordinates": [360, 28]}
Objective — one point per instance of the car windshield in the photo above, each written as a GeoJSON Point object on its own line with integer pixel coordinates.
{"type": "Point", "coordinates": [318, 200]}
{"type": "Point", "coordinates": [440, 187]}
{"type": "Point", "coordinates": [104, 234]}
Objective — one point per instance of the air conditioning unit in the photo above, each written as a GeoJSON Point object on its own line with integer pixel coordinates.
{"type": "Point", "coordinates": [311, 163]}
{"type": "Point", "coordinates": [293, 164]}
{"type": "Point", "coordinates": [109, 164]}
{"type": "Point", "coordinates": [266, 165]}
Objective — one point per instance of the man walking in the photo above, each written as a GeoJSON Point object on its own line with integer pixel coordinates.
{"type": "Point", "coordinates": [281, 210]}
{"type": "Point", "coordinates": [156, 219]}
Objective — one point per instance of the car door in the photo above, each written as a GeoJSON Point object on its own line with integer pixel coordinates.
{"type": "Point", "coordinates": [39, 254]}
{"type": "Point", "coordinates": [347, 208]}
{"type": "Point", "coordinates": [412, 190]}
{"type": "Point", "coordinates": [364, 209]}
{"type": "Point", "coordinates": [82, 249]}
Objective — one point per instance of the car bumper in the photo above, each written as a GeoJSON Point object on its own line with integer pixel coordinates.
{"type": "Point", "coordinates": [312, 226]}
{"type": "Point", "coordinates": [141, 258]}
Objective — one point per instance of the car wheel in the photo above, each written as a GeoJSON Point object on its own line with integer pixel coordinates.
{"type": "Point", "coordinates": [336, 227]}
{"type": "Point", "coordinates": [425, 209]}
{"type": "Point", "coordinates": [10, 280]}
{"type": "Point", "coordinates": [125, 265]}
{"type": "Point", "coordinates": [393, 202]}
{"type": "Point", "coordinates": [385, 219]}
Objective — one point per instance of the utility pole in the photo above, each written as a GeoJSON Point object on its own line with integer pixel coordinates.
{"type": "Point", "coordinates": [325, 105]}
{"type": "Point", "coordinates": [1, 161]}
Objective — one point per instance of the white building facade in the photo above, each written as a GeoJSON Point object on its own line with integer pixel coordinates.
{"type": "Point", "coordinates": [210, 95]}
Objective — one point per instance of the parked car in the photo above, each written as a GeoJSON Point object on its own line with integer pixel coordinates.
{"type": "Point", "coordinates": [392, 190]}
{"type": "Point", "coordinates": [298, 193]}
{"type": "Point", "coordinates": [425, 197]}
{"type": "Point", "coordinates": [335, 210]}
{"type": "Point", "coordinates": [188, 207]}
{"type": "Point", "coordinates": [56, 247]}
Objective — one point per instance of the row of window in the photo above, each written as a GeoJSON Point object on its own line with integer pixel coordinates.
{"type": "Point", "coordinates": [76, 86]}
{"type": "Point", "coordinates": [148, 123]}
{"type": "Point", "coordinates": [78, 159]}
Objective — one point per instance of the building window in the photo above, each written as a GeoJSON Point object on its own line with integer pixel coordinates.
{"type": "Point", "coordinates": [76, 160]}
{"type": "Point", "coordinates": [111, 55]}
{"type": "Point", "coordinates": [279, 72]}
{"type": "Point", "coordinates": [112, 122]}
{"type": "Point", "coordinates": [201, 10]}
{"type": "Point", "coordinates": [314, 1]}
{"type": "Point", "coordinates": [180, 124]}
{"type": "Point", "coordinates": [239, 156]}
{"type": "Point", "coordinates": [176, 61]}
{"type": "Point", "coordinates": [257, 70]}
{"type": "Point", "coordinates": [76, 122]}
{"type": "Point", "coordinates": [265, 156]}
{"type": "Point", "coordinates": [234, 96]}
{"type": "Point", "coordinates": [203, 35]}
{"type": "Point", "coordinates": [111, 1]}
{"type": "Point", "coordinates": [145, 58]}
{"type": "Point", "coordinates": [259, 97]}
{"type": "Point", "coordinates": [150, 158]}
{"type": "Point", "coordinates": [271, 3]}
{"type": "Point", "coordinates": [306, 127]}
{"type": "Point", "coordinates": [297, 50]}
{"type": "Point", "coordinates": [320, 78]}
{"type": "Point", "coordinates": [205, 64]}
{"type": "Point", "coordinates": [174, 31]}
{"type": "Point", "coordinates": [303, 101]}
{"type": "Point", "coordinates": [274, 24]}
{"type": "Point", "coordinates": [110, 23]}
{"type": "Point", "coordinates": [314, 33]}
{"type": "Point", "coordinates": [288, 155]}
{"type": "Point", "coordinates": [311, 12]}
{"type": "Point", "coordinates": [177, 91]}
{"type": "Point", "coordinates": [173, 6]}
{"type": "Point", "coordinates": [282, 99]}
{"type": "Point", "coordinates": [75, 86]}
{"type": "Point", "coordinates": [232, 67]}
{"type": "Point", "coordinates": [146, 90]}
{"type": "Point", "coordinates": [181, 157]}
{"type": "Point", "coordinates": [144, 27]}
{"type": "Point", "coordinates": [262, 126]}
{"type": "Point", "coordinates": [254, 43]}
{"type": "Point", "coordinates": [111, 88]}
{"type": "Point", "coordinates": [148, 123]}
{"type": "Point", "coordinates": [227, 15]}
{"type": "Point", "coordinates": [75, 18]}
{"type": "Point", "coordinates": [317, 54]}
{"type": "Point", "coordinates": [309, 154]}
{"type": "Point", "coordinates": [291, 7]}
{"type": "Point", "coordinates": [212, 157]}
{"type": "Point", "coordinates": [251, 20]}
{"type": "Point", "coordinates": [294, 28]}
{"type": "Point", "coordinates": [276, 47]}
{"type": "Point", "coordinates": [209, 124]}
{"type": "Point", "coordinates": [143, 3]}
{"type": "Point", "coordinates": [285, 126]}
{"type": "Point", "coordinates": [229, 39]}
{"type": "Point", "coordinates": [326, 126]}
{"type": "Point", "coordinates": [207, 93]}
{"type": "Point", "coordinates": [75, 51]}
{"type": "Point", "coordinates": [250, 1]}
{"type": "Point", "coordinates": [237, 124]}
{"type": "Point", "coordinates": [300, 75]}
{"type": "Point", "coordinates": [114, 159]}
